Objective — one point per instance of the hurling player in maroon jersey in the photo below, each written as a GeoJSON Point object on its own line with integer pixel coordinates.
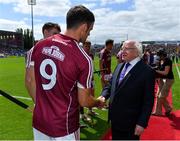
{"type": "Point", "coordinates": [105, 62]}
{"type": "Point", "coordinates": [60, 79]}
{"type": "Point", "coordinates": [50, 29]}
{"type": "Point", "coordinates": [87, 49]}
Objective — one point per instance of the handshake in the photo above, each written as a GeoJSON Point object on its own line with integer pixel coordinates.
{"type": "Point", "coordinates": [101, 102]}
{"type": "Point", "coordinates": [90, 101]}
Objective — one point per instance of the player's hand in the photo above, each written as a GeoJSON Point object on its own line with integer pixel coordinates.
{"type": "Point", "coordinates": [30, 109]}
{"type": "Point", "coordinates": [101, 102]}
{"type": "Point", "coordinates": [138, 130]}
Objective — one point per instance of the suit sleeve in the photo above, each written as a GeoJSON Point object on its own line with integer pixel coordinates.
{"type": "Point", "coordinates": [107, 90]}
{"type": "Point", "coordinates": [148, 99]}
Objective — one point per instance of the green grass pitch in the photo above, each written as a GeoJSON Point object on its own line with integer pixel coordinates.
{"type": "Point", "coordinates": [15, 122]}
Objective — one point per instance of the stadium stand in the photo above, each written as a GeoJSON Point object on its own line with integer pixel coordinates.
{"type": "Point", "coordinates": [11, 44]}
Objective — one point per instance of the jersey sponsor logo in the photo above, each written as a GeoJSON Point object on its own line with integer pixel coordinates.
{"type": "Point", "coordinates": [54, 52]}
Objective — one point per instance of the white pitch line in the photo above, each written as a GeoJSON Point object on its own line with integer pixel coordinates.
{"type": "Point", "coordinates": [177, 69]}
{"type": "Point", "coordinates": [21, 97]}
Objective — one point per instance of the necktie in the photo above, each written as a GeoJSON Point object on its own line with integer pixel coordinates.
{"type": "Point", "coordinates": [123, 72]}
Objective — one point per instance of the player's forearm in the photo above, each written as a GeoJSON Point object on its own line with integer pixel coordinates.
{"type": "Point", "coordinates": [87, 100]}
{"type": "Point", "coordinates": [31, 88]}
{"type": "Point", "coordinates": [91, 102]}
{"type": "Point", "coordinates": [30, 82]}
{"type": "Point", "coordinates": [101, 68]}
{"type": "Point", "coordinates": [31, 92]}
{"type": "Point", "coordinates": [100, 65]}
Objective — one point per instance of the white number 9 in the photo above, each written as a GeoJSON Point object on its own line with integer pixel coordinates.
{"type": "Point", "coordinates": [51, 77]}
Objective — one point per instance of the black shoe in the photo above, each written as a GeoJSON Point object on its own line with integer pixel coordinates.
{"type": "Point", "coordinates": [168, 113]}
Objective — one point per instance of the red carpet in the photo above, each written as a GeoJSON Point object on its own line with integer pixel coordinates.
{"type": "Point", "coordinates": [160, 128]}
{"type": "Point", "coordinates": [176, 124]}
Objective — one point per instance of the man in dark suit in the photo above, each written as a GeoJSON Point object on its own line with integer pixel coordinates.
{"type": "Point", "coordinates": [131, 93]}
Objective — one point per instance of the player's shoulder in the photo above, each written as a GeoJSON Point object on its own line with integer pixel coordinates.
{"type": "Point", "coordinates": [91, 55]}
{"type": "Point", "coordinates": [41, 42]}
{"type": "Point", "coordinates": [102, 51]}
{"type": "Point", "coordinates": [81, 54]}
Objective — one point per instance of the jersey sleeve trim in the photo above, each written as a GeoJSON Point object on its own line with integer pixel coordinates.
{"type": "Point", "coordinates": [80, 85]}
{"type": "Point", "coordinates": [29, 61]}
{"type": "Point", "coordinates": [89, 78]}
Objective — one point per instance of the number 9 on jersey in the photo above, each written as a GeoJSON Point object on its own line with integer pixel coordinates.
{"type": "Point", "coordinates": [50, 77]}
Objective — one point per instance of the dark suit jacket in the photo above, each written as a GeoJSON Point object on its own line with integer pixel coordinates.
{"type": "Point", "coordinates": [131, 101]}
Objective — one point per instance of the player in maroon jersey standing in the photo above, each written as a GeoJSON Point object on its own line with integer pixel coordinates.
{"type": "Point", "coordinates": [87, 49]}
{"type": "Point", "coordinates": [105, 62]}
{"type": "Point", "coordinates": [62, 74]}
{"type": "Point", "coordinates": [50, 29]}
{"type": "Point", "coordinates": [85, 117]}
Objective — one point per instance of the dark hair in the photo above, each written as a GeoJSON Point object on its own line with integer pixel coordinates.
{"type": "Point", "coordinates": [109, 41]}
{"type": "Point", "coordinates": [50, 25]}
{"type": "Point", "coordinates": [87, 42]}
{"type": "Point", "coordinates": [161, 52]}
{"type": "Point", "coordinates": [78, 15]}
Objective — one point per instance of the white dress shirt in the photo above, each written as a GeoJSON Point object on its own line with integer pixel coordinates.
{"type": "Point", "coordinates": [133, 63]}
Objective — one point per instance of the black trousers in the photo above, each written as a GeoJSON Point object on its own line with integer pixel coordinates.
{"type": "Point", "coordinates": [123, 135]}
{"type": "Point", "coordinates": [81, 110]}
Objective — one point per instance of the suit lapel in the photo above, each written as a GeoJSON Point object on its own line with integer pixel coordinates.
{"type": "Point", "coordinates": [118, 71]}
{"type": "Point", "coordinates": [115, 79]}
{"type": "Point", "coordinates": [133, 71]}
{"type": "Point", "coordinates": [124, 81]}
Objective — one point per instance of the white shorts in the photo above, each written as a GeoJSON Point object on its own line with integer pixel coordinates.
{"type": "Point", "coordinates": [41, 136]}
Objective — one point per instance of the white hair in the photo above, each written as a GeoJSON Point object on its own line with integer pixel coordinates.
{"type": "Point", "coordinates": [138, 45]}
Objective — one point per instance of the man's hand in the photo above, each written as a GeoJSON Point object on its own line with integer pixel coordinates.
{"type": "Point", "coordinates": [102, 102]}
{"type": "Point", "coordinates": [101, 98]}
{"type": "Point", "coordinates": [87, 100]}
{"type": "Point", "coordinates": [138, 130]}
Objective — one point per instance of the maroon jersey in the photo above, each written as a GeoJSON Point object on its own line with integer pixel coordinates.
{"type": "Point", "coordinates": [91, 55]}
{"type": "Point", "coordinates": [60, 67]}
{"type": "Point", "coordinates": [105, 57]}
